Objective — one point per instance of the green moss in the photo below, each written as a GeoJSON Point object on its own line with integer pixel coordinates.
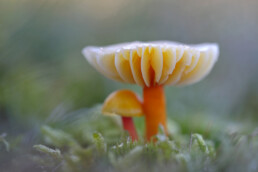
{"type": "Point", "coordinates": [116, 152]}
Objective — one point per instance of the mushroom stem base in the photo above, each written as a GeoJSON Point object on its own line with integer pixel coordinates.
{"type": "Point", "coordinates": [154, 107]}
{"type": "Point", "coordinates": [129, 126]}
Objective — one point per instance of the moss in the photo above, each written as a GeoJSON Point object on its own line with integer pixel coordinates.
{"type": "Point", "coordinates": [116, 152]}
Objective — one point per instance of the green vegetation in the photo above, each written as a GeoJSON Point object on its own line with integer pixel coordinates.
{"type": "Point", "coordinates": [76, 147]}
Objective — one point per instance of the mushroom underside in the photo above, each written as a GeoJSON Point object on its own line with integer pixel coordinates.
{"type": "Point", "coordinates": [154, 65]}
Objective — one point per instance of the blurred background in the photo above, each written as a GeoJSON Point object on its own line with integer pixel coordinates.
{"type": "Point", "coordinates": [42, 68]}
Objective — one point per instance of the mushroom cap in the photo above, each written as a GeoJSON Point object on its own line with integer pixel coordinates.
{"type": "Point", "coordinates": [154, 63]}
{"type": "Point", "coordinates": [124, 103]}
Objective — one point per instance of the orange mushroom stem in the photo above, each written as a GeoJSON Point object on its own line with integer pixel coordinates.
{"type": "Point", "coordinates": [128, 126]}
{"type": "Point", "coordinates": [154, 107]}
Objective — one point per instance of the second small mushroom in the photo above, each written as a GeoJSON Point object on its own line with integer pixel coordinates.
{"type": "Point", "coordinates": [153, 65]}
{"type": "Point", "coordinates": [126, 104]}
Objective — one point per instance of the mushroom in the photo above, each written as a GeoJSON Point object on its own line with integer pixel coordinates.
{"type": "Point", "coordinates": [126, 104]}
{"type": "Point", "coordinates": [153, 65]}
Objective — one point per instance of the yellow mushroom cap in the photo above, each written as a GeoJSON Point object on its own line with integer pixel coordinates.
{"type": "Point", "coordinates": [124, 103]}
{"type": "Point", "coordinates": [154, 63]}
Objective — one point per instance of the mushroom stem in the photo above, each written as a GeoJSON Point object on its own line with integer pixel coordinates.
{"type": "Point", "coordinates": [129, 126]}
{"type": "Point", "coordinates": [154, 107]}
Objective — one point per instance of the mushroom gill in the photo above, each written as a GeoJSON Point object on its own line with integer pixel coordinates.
{"type": "Point", "coordinates": [154, 63]}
